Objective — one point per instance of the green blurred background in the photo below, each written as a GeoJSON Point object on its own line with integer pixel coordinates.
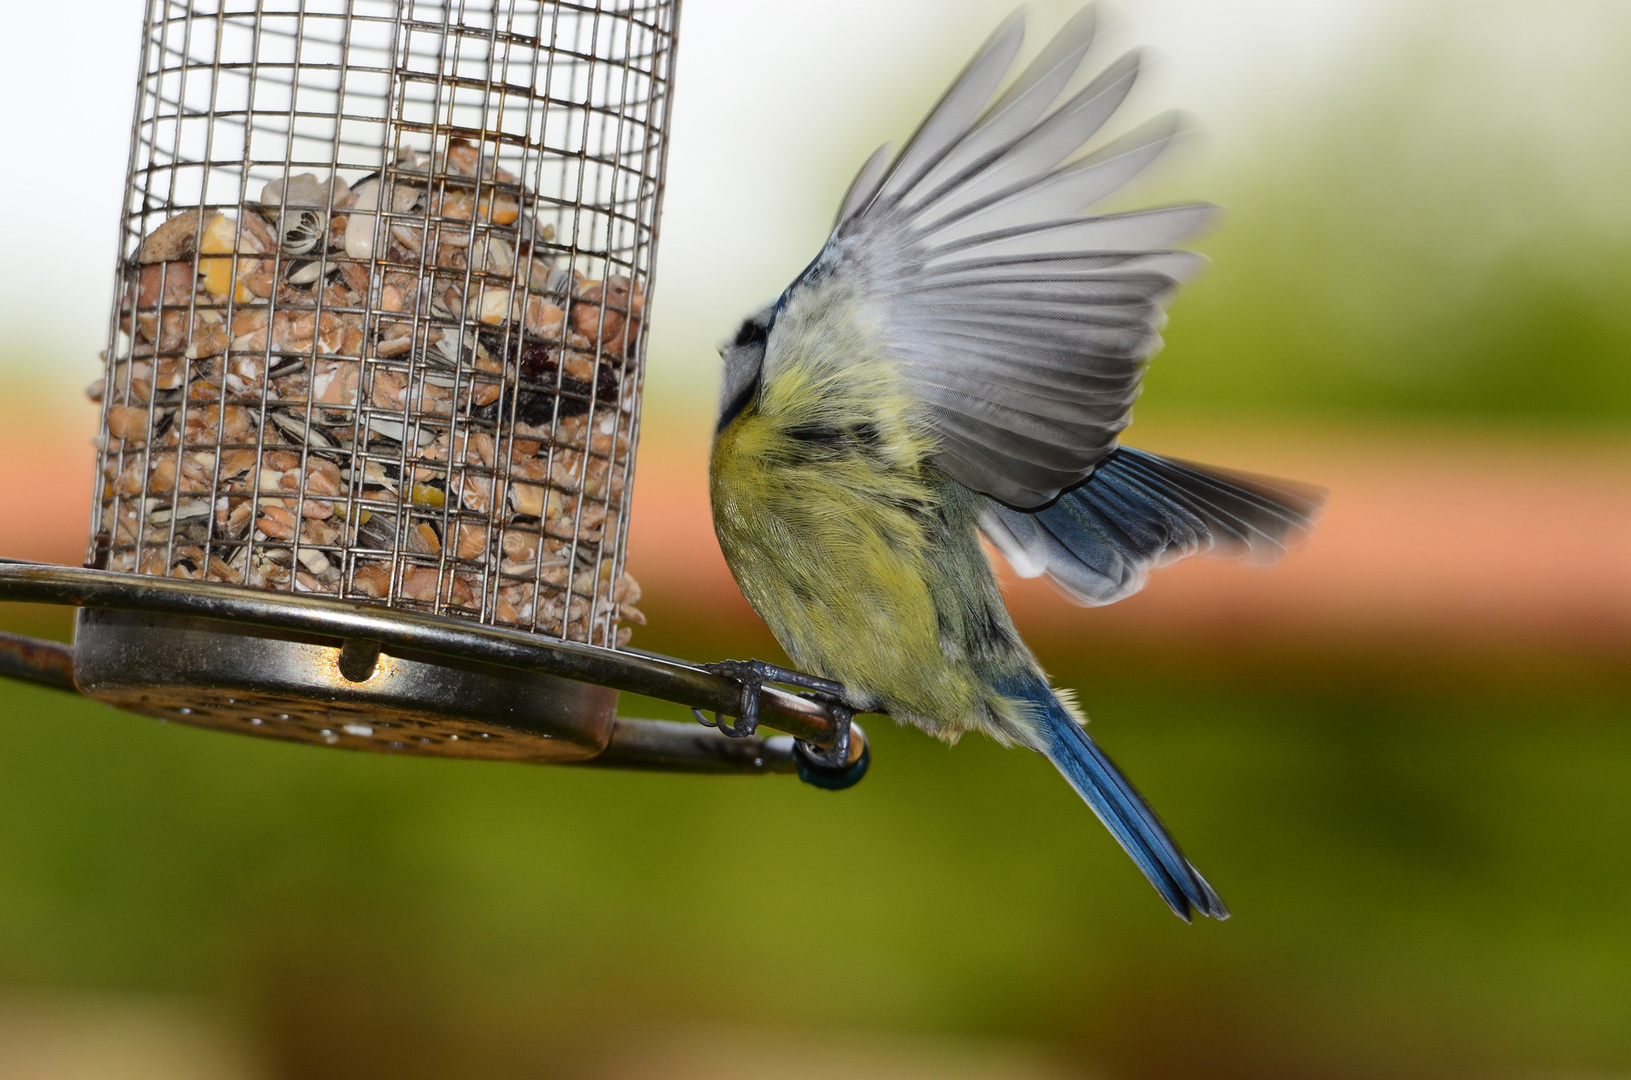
{"type": "Point", "coordinates": [1427, 844]}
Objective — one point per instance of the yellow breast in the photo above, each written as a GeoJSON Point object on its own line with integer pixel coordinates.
{"type": "Point", "coordinates": [824, 508]}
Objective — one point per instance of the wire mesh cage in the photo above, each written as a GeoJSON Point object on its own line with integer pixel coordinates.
{"type": "Point", "coordinates": [379, 323]}
{"type": "Point", "coordinates": [378, 336]}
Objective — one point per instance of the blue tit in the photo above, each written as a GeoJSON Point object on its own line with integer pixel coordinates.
{"type": "Point", "coordinates": [959, 361]}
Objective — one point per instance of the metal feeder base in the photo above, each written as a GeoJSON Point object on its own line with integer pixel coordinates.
{"type": "Point", "coordinates": [358, 676]}
{"type": "Point", "coordinates": [350, 694]}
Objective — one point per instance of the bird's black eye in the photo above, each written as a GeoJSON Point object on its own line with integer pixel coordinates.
{"type": "Point", "coordinates": [753, 332]}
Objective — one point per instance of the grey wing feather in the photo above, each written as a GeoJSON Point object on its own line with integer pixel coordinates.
{"type": "Point", "coordinates": [864, 186]}
{"type": "Point", "coordinates": [1177, 266]}
{"type": "Point", "coordinates": [1065, 191]}
{"type": "Point", "coordinates": [1043, 146]}
{"type": "Point", "coordinates": [948, 123]}
{"type": "Point", "coordinates": [1140, 231]}
{"type": "Point", "coordinates": [1023, 326]}
{"type": "Point", "coordinates": [1018, 110]}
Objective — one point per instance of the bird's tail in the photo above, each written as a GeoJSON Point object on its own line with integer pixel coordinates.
{"type": "Point", "coordinates": [1121, 808]}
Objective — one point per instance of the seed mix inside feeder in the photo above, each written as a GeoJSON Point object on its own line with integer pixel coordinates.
{"type": "Point", "coordinates": [378, 336]}
{"type": "Point", "coordinates": [462, 393]}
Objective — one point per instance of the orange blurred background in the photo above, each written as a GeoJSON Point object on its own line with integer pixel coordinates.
{"type": "Point", "coordinates": [1466, 536]}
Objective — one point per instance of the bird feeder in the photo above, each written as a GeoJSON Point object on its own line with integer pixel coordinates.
{"type": "Point", "coordinates": [372, 390]}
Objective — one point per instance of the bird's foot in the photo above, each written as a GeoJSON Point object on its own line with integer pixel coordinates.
{"type": "Point", "coordinates": [751, 676]}
{"type": "Point", "coordinates": [834, 758]}
{"type": "Point", "coordinates": [834, 767]}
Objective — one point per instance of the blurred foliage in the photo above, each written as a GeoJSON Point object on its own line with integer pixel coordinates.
{"type": "Point", "coordinates": [1439, 229]}
{"type": "Point", "coordinates": [1342, 285]}
{"type": "Point", "coordinates": [1425, 876]}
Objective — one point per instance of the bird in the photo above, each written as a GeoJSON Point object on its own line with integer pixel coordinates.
{"type": "Point", "coordinates": [958, 362]}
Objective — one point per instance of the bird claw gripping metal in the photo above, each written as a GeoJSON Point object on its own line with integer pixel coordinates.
{"type": "Point", "coordinates": [752, 675]}
{"type": "Point", "coordinates": [836, 756]}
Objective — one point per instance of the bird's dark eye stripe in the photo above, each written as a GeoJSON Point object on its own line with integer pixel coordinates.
{"type": "Point", "coordinates": [867, 435]}
{"type": "Point", "coordinates": [815, 433]}
{"type": "Point", "coordinates": [752, 332]}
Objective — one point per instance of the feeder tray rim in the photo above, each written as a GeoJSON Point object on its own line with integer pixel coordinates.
{"type": "Point", "coordinates": [627, 670]}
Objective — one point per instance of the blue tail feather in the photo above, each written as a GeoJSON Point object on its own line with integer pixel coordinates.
{"type": "Point", "coordinates": [1120, 807]}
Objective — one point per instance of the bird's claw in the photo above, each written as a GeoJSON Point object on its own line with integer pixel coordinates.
{"type": "Point", "coordinates": [752, 675]}
{"type": "Point", "coordinates": [835, 756]}
{"type": "Point", "coordinates": [740, 729]}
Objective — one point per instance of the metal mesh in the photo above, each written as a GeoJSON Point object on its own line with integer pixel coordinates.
{"type": "Point", "coordinates": [379, 321]}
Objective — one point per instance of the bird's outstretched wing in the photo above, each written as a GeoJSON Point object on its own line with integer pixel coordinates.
{"type": "Point", "coordinates": [1023, 325]}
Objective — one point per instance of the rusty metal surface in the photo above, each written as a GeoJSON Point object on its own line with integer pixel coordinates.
{"type": "Point", "coordinates": [47, 663]}
{"type": "Point", "coordinates": [667, 746]}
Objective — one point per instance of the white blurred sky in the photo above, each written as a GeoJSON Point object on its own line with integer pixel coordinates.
{"type": "Point", "coordinates": [778, 101]}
